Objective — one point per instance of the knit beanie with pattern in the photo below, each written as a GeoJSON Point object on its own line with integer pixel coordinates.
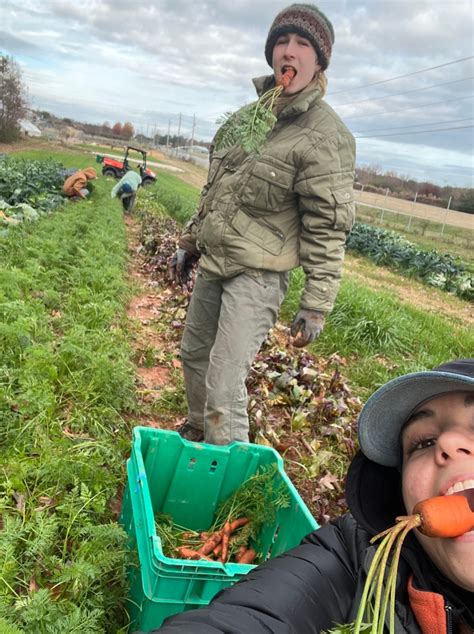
{"type": "Point", "coordinates": [309, 22]}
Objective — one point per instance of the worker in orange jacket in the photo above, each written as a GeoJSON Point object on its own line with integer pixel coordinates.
{"type": "Point", "coordinates": [76, 185]}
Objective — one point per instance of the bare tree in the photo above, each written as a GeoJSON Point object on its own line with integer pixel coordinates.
{"type": "Point", "coordinates": [12, 99]}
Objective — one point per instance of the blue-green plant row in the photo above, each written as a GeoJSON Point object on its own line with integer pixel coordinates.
{"type": "Point", "coordinates": [387, 248]}
{"type": "Point", "coordinates": [29, 189]}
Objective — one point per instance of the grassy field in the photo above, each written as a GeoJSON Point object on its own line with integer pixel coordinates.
{"type": "Point", "coordinates": [66, 381]}
{"type": "Point", "coordinates": [68, 391]}
{"type": "Point", "coordinates": [381, 332]}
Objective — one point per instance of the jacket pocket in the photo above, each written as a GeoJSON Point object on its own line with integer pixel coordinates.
{"type": "Point", "coordinates": [262, 234]}
{"type": "Point", "coordinates": [268, 186]}
{"type": "Point", "coordinates": [344, 209]}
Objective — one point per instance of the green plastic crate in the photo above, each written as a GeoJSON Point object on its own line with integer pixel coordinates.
{"type": "Point", "coordinates": [188, 480]}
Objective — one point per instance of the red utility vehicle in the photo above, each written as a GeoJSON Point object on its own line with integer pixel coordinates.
{"type": "Point", "coordinates": [117, 169]}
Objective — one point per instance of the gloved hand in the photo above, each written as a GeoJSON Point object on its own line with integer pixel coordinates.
{"type": "Point", "coordinates": [180, 266]}
{"type": "Point", "coordinates": [306, 326]}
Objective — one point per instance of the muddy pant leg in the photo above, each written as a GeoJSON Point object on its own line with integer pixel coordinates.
{"type": "Point", "coordinates": [250, 304]}
{"type": "Point", "coordinates": [198, 339]}
{"type": "Point", "coordinates": [128, 201]}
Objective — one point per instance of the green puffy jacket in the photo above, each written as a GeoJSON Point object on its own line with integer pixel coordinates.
{"type": "Point", "coordinates": [292, 204]}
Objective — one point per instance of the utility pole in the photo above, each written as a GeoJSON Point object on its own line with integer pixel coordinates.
{"type": "Point", "coordinates": [179, 127]}
{"type": "Point", "coordinates": [168, 134]}
{"type": "Point", "coordinates": [192, 133]}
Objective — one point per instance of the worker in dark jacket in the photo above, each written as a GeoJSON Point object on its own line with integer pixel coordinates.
{"type": "Point", "coordinates": [261, 215]}
{"type": "Point", "coordinates": [416, 435]}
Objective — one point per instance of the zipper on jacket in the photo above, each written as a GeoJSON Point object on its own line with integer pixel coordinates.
{"type": "Point", "coordinates": [449, 618]}
{"type": "Point", "coordinates": [274, 230]}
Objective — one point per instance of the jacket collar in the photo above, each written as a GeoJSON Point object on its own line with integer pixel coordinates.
{"type": "Point", "coordinates": [429, 609]}
{"type": "Point", "coordinates": [302, 101]}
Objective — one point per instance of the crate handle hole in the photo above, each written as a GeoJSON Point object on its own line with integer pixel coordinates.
{"type": "Point", "coordinates": [191, 464]}
{"type": "Point", "coordinates": [275, 535]}
{"type": "Point", "coordinates": [213, 466]}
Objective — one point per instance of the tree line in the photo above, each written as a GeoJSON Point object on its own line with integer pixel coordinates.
{"type": "Point", "coordinates": [13, 101]}
{"type": "Point", "coordinates": [373, 179]}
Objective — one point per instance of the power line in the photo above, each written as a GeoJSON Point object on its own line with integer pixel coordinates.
{"type": "Point", "coordinates": [416, 72]}
{"type": "Point", "coordinates": [407, 92]}
{"type": "Point", "coordinates": [423, 105]}
{"type": "Point", "coordinates": [416, 125]}
{"type": "Point", "coordinates": [463, 127]}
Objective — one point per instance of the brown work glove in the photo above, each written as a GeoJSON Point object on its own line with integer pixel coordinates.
{"type": "Point", "coordinates": [306, 326]}
{"type": "Point", "coordinates": [180, 266]}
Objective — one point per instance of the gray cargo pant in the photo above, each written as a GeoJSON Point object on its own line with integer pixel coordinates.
{"type": "Point", "coordinates": [227, 322]}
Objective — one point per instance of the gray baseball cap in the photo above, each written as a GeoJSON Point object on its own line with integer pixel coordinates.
{"type": "Point", "coordinates": [388, 409]}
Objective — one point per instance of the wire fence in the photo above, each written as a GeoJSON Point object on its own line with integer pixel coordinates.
{"type": "Point", "coordinates": [412, 209]}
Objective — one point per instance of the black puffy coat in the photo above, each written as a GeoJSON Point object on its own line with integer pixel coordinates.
{"type": "Point", "coordinates": [304, 591]}
{"type": "Point", "coordinates": [318, 584]}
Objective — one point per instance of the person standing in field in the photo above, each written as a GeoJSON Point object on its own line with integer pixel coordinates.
{"type": "Point", "coordinates": [261, 215]}
{"type": "Point", "coordinates": [75, 187]}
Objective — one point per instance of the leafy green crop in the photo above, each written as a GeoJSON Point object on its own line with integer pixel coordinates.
{"type": "Point", "coordinates": [29, 189]}
{"type": "Point", "coordinates": [387, 248]}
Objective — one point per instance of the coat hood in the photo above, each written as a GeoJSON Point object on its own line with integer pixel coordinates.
{"type": "Point", "coordinates": [90, 173]}
{"type": "Point", "coordinates": [374, 494]}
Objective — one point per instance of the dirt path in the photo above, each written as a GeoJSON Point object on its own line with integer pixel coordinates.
{"type": "Point", "coordinates": [154, 347]}
{"type": "Point", "coordinates": [189, 173]}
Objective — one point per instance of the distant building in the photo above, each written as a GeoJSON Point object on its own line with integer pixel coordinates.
{"type": "Point", "coordinates": [29, 129]}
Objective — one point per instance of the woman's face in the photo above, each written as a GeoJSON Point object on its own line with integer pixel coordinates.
{"type": "Point", "coordinates": [293, 51]}
{"type": "Point", "coordinates": [438, 459]}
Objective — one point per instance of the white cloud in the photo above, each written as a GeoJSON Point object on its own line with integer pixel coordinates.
{"type": "Point", "coordinates": [152, 59]}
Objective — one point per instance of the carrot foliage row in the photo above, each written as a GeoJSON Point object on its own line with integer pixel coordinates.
{"type": "Point", "coordinates": [237, 524]}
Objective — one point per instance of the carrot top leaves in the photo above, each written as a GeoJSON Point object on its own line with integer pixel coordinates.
{"type": "Point", "coordinates": [251, 124]}
{"type": "Point", "coordinates": [254, 504]}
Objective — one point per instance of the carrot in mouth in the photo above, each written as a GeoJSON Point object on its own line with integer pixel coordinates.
{"type": "Point", "coordinates": [286, 78]}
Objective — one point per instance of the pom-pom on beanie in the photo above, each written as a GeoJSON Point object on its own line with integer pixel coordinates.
{"type": "Point", "coordinates": [309, 22]}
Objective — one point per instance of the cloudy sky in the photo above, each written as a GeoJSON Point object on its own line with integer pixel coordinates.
{"type": "Point", "coordinates": [401, 74]}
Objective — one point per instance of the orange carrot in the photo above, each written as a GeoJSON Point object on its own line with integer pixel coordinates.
{"type": "Point", "coordinates": [188, 553]}
{"type": "Point", "coordinates": [188, 535]}
{"type": "Point", "coordinates": [238, 523]}
{"type": "Point", "coordinates": [240, 552]}
{"type": "Point", "coordinates": [209, 545]}
{"type": "Point", "coordinates": [247, 557]}
{"type": "Point", "coordinates": [445, 516]}
{"type": "Point", "coordinates": [286, 78]}
{"type": "Point", "coordinates": [225, 542]}
{"type": "Point", "coordinates": [217, 550]}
